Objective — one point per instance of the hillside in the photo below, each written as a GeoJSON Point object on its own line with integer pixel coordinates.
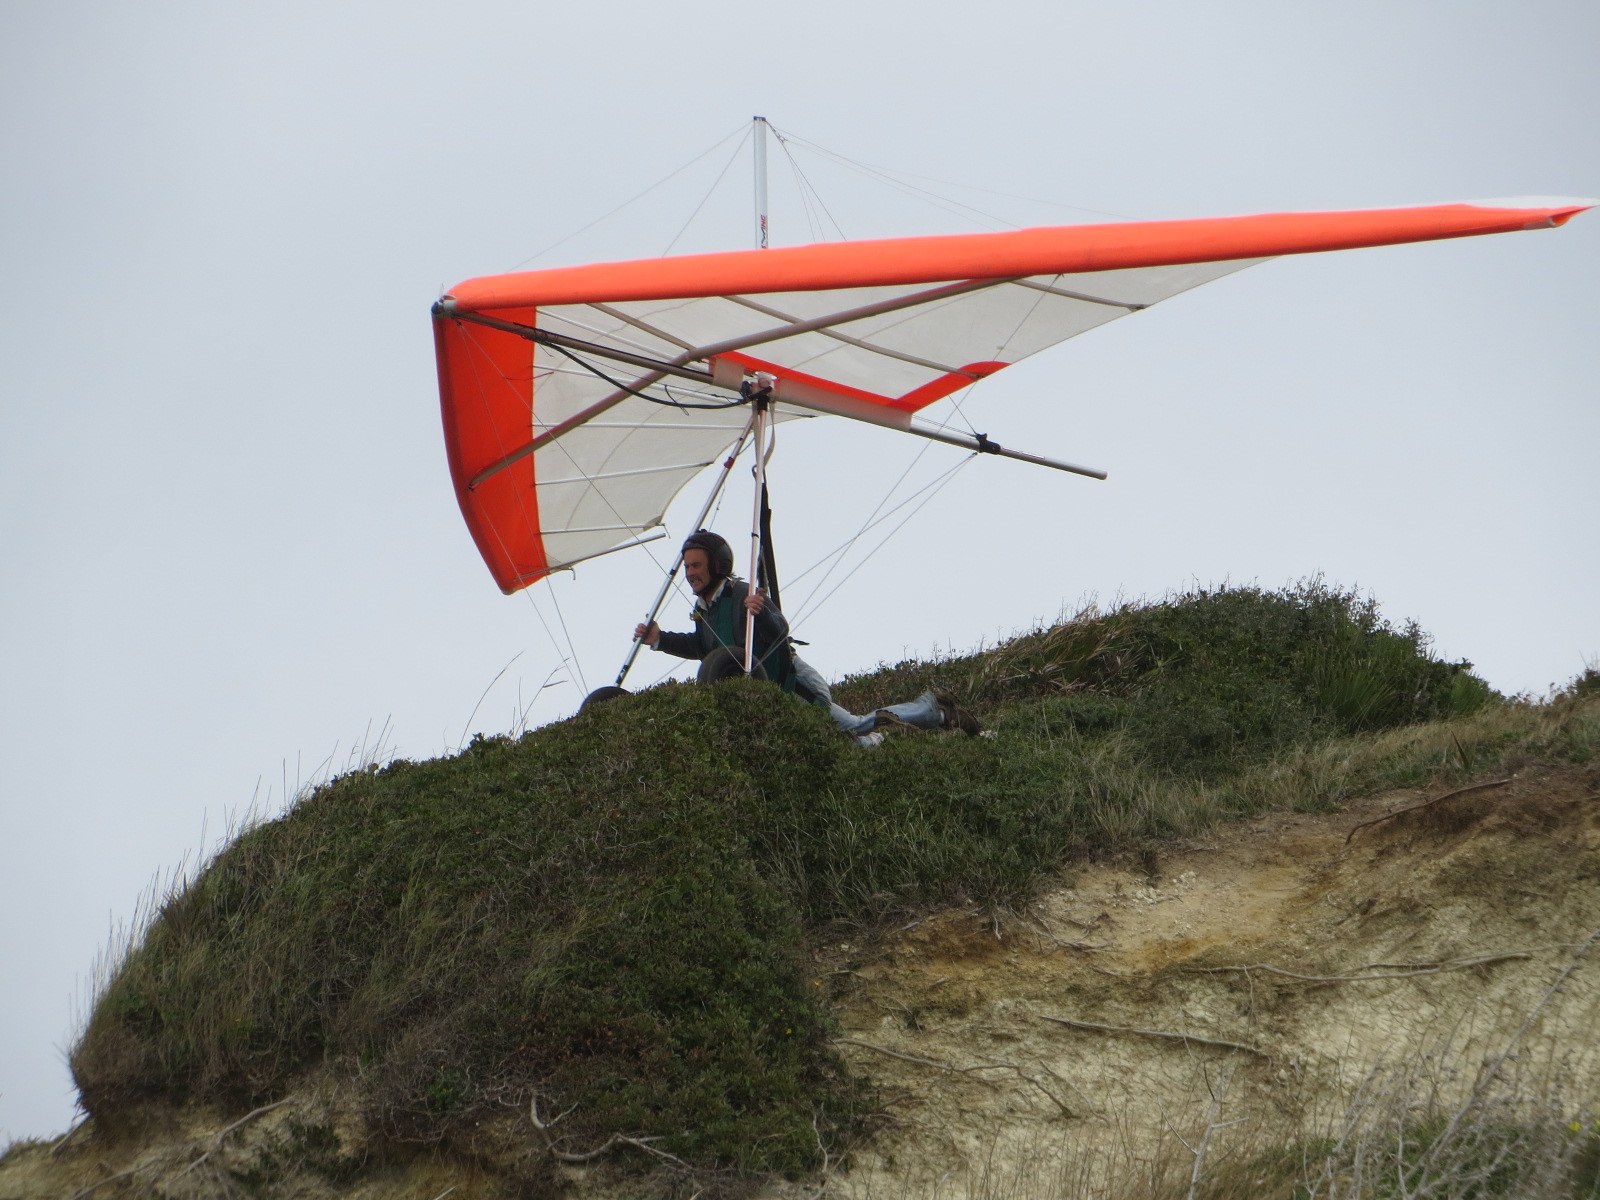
{"type": "Point", "coordinates": [1271, 980]}
{"type": "Point", "coordinates": [697, 943]}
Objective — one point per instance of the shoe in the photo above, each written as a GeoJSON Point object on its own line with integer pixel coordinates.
{"type": "Point", "coordinates": [869, 739]}
{"type": "Point", "coordinates": [956, 717]}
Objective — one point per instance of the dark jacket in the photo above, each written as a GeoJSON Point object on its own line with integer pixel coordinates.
{"type": "Point", "coordinates": [722, 623]}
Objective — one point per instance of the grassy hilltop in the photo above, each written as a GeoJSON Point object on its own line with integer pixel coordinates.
{"type": "Point", "coordinates": [614, 920]}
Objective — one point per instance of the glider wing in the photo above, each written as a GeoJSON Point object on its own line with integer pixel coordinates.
{"type": "Point", "coordinates": [578, 401]}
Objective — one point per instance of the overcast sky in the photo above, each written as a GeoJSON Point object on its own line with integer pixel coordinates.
{"type": "Point", "coordinates": [232, 561]}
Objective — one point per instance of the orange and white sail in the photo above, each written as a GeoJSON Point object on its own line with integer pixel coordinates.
{"type": "Point", "coordinates": [578, 401]}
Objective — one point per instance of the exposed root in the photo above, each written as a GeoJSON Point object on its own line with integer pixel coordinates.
{"type": "Point", "coordinates": [1158, 1033]}
{"type": "Point", "coordinates": [611, 1143]}
{"type": "Point", "coordinates": [1061, 943]}
{"type": "Point", "coordinates": [78, 1195]}
{"type": "Point", "coordinates": [938, 1064]}
{"type": "Point", "coordinates": [1212, 1125]}
{"type": "Point", "coordinates": [827, 1161]}
{"type": "Point", "coordinates": [1389, 971]}
{"type": "Point", "coordinates": [216, 1143]}
{"type": "Point", "coordinates": [66, 1138]}
{"type": "Point", "coordinates": [952, 1069]}
{"type": "Point", "coordinates": [1476, 787]}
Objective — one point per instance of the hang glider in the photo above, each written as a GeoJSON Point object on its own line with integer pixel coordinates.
{"type": "Point", "coordinates": [578, 401]}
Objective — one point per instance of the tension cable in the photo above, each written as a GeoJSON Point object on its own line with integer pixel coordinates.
{"type": "Point", "coordinates": [667, 402]}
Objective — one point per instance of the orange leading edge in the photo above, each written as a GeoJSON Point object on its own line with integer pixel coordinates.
{"type": "Point", "coordinates": [578, 401]}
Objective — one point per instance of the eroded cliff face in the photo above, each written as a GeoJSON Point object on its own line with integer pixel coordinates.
{"type": "Point", "coordinates": [1257, 982]}
{"type": "Point", "coordinates": [1250, 988]}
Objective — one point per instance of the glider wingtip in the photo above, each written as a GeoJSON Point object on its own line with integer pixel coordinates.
{"type": "Point", "coordinates": [1552, 210]}
{"type": "Point", "coordinates": [1572, 209]}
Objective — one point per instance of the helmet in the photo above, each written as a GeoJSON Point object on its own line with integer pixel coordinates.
{"type": "Point", "coordinates": [717, 551]}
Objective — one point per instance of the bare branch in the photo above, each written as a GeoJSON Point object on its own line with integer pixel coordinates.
{"type": "Point", "coordinates": [1157, 1033]}
{"type": "Point", "coordinates": [822, 1171]}
{"type": "Point", "coordinates": [67, 1137]}
{"type": "Point", "coordinates": [1476, 787]}
{"type": "Point", "coordinates": [1046, 1092]}
{"type": "Point", "coordinates": [936, 1063]}
{"type": "Point", "coordinates": [1211, 1127]}
{"type": "Point", "coordinates": [78, 1195]}
{"type": "Point", "coordinates": [216, 1143]}
{"type": "Point", "coordinates": [952, 1069]}
{"type": "Point", "coordinates": [1398, 971]}
{"type": "Point", "coordinates": [1072, 1087]}
{"type": "Point", "coordinates": [611, 1143]}
{"type": "Point", "coordinates": [912, 1058]}
{"type": "Point", "coordinates": [1491, 1067]}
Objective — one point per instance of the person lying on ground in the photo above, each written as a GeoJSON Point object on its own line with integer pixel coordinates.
{"type": "Point", "coordinates": [722, 604]}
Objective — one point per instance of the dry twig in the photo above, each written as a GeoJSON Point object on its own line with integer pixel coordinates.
{"type": "Point", "coordinates": [822, 1172]}
{"type": "Point", "coordinates": [1061, 944]}
{"type": "Point", "coordinates": [1211, 1127]}
{"type": "Point", "coordinates": [1491, 1067]}
{"type": "Point", "coordinates": [1399, 971]}
{"type": "Point", "coordinates": [1046, 1092]}
{"type": "Point", "coordinates": [952, 1069]}
{"type": "Point", "coordinates": [78, 1195]}
{"type": "Point", "coordinates": [611, 1143]}
{"type": "Point", "coordinates": [1476, 787]}
{"type": "Point", "coordinates": [936, 1063]}
{"type": "Point", "coordinates": [61, 1144]}
{"type": "Point", "coordinates": [1072, 1087]}
{"type": "Point", "coordinates": [216, 1143]}
{"type": "Point", "coordinates": [1158, 1033]}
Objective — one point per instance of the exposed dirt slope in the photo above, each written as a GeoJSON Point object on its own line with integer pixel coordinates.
{"type": "Point", "coordinates": [1381, 932]}
{"type": "Point", "coordinates": [1438, 931]}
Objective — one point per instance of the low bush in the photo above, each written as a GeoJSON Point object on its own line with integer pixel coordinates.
{"type": "Point", "coordinates": [613, 915]}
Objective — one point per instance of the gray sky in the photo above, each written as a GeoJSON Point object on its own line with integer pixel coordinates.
{"type": "Point", "coordinates": [232, 559]}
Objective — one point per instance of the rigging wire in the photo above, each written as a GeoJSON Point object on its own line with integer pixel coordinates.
{"type": "Point", "coordinates": [810, 201]}
{"type": "Point", "coordinates": [883, 175]}
{"type": "Point", "coordinates": [958, 398]}
{"type": "Point", "coordinates": [966, 211]}
{"type": "Point", "coordinates": [931, 491]}
{"type": "Point", "coordinates": [813, 204]}
{"type": "Point", "coordinates": [716, 183]}
{"type": "Point", "coordinates": [809, 194]}
{"type": "Point", "coordinates": [835, 557]}
{"type": "Point", "coordinates": [568, 658]}
{"type": "Point", "coordinates": [890, 535]}
{"type": "Point", "coordinates": [668, 402]}
{"type": "Point", "coordinates": [715, 146]}
{"type": "Point", "coordinates": [566, 633]}
{"type": "Point", "coordinates": [812, 227]}
{"type": "Point", "coordinates": [896, 178]}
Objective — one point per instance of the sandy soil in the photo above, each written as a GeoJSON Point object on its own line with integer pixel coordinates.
{"type": "Point", "coordinates": [1252, 977]}
{"type": "Point", "coordinates": [1434, 933]}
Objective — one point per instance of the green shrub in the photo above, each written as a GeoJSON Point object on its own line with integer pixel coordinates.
{"type": "Point", "coordinates": [575, 915]}
{"type": "Point", "coordinates": [612, 914]}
